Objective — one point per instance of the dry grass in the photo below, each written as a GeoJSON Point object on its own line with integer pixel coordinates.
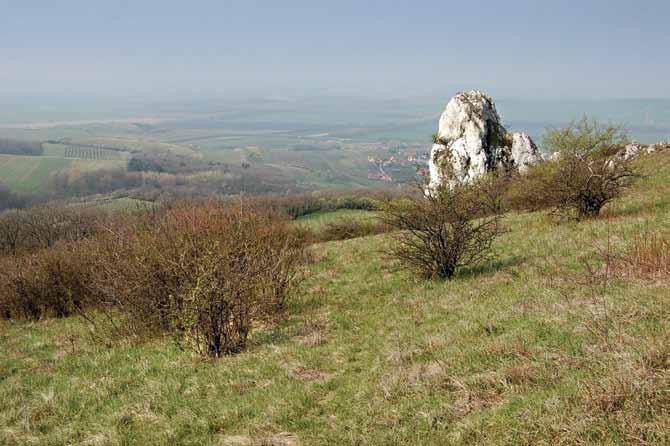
{"type": "Point", "coordinates": [647, 255]}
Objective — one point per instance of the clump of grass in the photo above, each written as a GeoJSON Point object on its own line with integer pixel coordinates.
{"type": "Point", "coordinates": [643, 254]}
{"type": "Point", "coordinates": [628, 405]}
{"type": "Point", "coordinates": [647, 255]}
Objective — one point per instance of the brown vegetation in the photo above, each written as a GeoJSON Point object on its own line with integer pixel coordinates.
{"type": "Point", "coordinates": [647, 255]}
{"type": "Point", "coordinates": [447, 229]}
{"type": "Point", "coordinates": [43, 226]}
{"type": "Point", "coordinates": [644, 254]}
{"type": "Point", "coordinates": [202, 273]}
{"type": "Point", "coordinates": [52, 282]}
{"type": "Point", "coordinates": [205, 273]}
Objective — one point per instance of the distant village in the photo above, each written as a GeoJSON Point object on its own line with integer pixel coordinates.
{"type": "Point", "coordinates": [380, 167]}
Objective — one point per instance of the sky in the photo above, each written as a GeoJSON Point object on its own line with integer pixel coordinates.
{"type": "Point", "coordinates": [396, 49]}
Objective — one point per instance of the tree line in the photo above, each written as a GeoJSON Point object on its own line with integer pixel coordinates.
{"type": "Point", "coordinates": [20, 147]}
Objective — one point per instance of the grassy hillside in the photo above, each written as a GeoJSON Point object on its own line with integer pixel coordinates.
{"type": "Point", "coordinates": [318, 220]}
{"type": "Point", "coordinates": [526, 350]}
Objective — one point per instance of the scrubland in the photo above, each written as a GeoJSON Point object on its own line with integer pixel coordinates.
{"type": "Point", "coordinates": [563, 338]}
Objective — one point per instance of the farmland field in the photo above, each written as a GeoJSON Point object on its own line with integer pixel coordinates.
{"type": "Point", "coordinates": [91, 153]}
{"type": "Point", "coordinates": [29, 173]}
{"type": "Point", "coordinates": [83, 152]}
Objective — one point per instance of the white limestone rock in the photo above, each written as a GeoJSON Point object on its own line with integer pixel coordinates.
{"type": "Point", "coordinates": [632, 150]}
{"type": "Point", "coordinates": [524, 152]}
{"type": "Point", "coordinates": [472, 141]}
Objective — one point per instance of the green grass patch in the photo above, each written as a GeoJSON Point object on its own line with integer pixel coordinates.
{"type": "Point", "coordinates": [319, 220]}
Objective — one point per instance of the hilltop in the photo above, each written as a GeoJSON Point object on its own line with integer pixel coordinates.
{"type": "Point", "coordinates": [531, 349]}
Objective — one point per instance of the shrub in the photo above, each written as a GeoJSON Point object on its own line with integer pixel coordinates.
{"type": "Point", "coordinates": [52, 282]}
{"type": "Point", "coordinates": [531, 191]}
{"type": "Point", "coordinates": [589, 172]}
{"type": "Point", "coordinates": [43, 226]}
{"type": "Point", "coordinates": [204, 274]}
{"type": "Point", "coordinates": [11, 231]}
{"type": "Point", "coordinates": [447, 229]}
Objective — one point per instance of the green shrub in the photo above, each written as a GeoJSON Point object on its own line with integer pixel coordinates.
{"type": "Point", "coordinates": [588, 171]}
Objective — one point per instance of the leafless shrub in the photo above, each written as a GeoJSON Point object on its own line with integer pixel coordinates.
{"type": "Point", "coordinates": [584, 184]}
{"type": "Point", "coordinates": [446, 229]}
{"type": "Point", "coordinates": [202, 273]}
{"type": "Point", "coordinates": [42, 227]}
{"type": "Point", "coordinates": [52, 282]}
{"type": "Point", "coordinates": [587, 172]}
{"type": "Point", "coordinates": [11, 231]}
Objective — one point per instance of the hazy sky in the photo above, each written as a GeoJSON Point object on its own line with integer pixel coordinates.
{"type": "Point", "coordinates": [168, 48]}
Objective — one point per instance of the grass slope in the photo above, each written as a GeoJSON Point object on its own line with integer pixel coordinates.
{"type": "Point", "coordinates": [319, 220]}
{"type": "Point", "coordinates": [516, 352]}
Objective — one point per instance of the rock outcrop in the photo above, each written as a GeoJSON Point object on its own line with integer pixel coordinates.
{"type": "Point", "coordinates": [524, 152]}
{"type": "Point", "coordinates": [472, 141]}
{"type": "Point", "coordinates": [635, 149]}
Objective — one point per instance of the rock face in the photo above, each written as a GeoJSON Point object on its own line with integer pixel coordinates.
{"type": "Point", "coordinates": [471, 141]}
{"type": "Point", "coordinates": [524, 152]}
